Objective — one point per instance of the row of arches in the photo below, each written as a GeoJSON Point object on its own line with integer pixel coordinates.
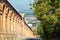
{"type": "Point", "coordinates": [9, 21]}
{"type": "Point", "coordinates": [12, 24]}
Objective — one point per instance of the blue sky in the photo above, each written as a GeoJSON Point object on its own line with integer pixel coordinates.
{"type": "Point", "coordinates": [20, 5]}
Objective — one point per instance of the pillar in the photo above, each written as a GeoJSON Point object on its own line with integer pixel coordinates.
{"type": "Point", "coordinates": [15, 26]}
{"type": "Point", "coordinates": [1, 20]}
{"type": "Point", "coordinates": [1, 16]}
{"type": "Point", "coordinates": [4, 21]}
{"type": "Point", "coordinates": [20, 27]}
{"type": "Point", "coordinates": [12, 25]}
{"type": "Point", "coordinates": [1, 26]}
{"type": "Point", "coordinates": [9, 23]}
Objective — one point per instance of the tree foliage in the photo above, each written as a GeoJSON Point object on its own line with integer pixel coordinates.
{"type": "Point", "coordinates": [48, 12]}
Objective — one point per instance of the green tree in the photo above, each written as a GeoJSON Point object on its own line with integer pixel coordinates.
{"type": "Point", "coordinates": [48, 12]}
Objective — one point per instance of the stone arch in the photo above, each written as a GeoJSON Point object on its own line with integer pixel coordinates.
{"type": "Point", "coordinates": [3, 6]}
{"type": "Point", "coordinates": [13, 15]}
